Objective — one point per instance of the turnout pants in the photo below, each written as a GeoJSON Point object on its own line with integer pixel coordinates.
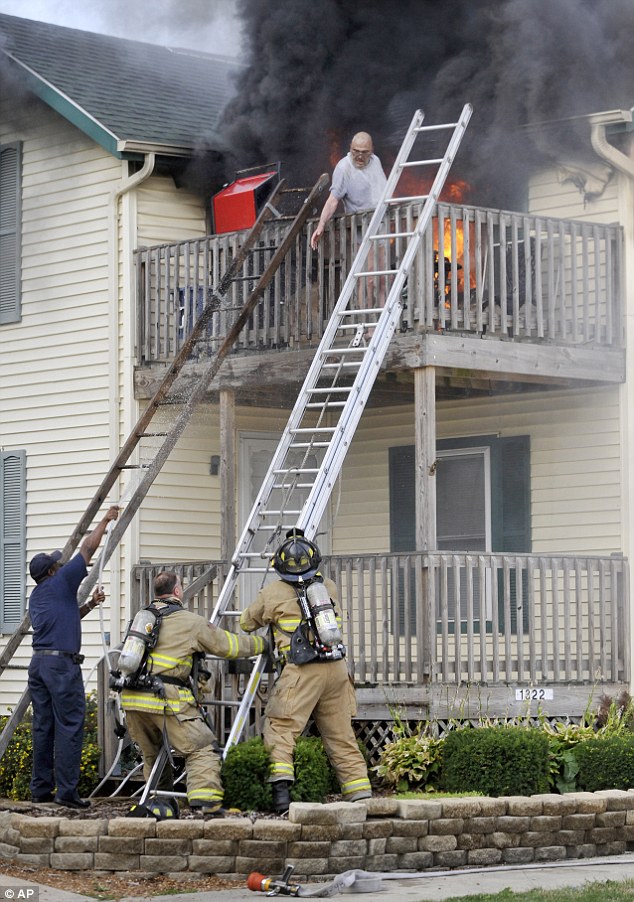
{"type": "Point", "coordinates": [324, 691]}
{"type": "Point", "coordinates": [190, 737]}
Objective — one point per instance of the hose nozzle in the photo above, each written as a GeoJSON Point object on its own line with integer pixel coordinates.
{"type": "Point", "coordinates": [272, 887]}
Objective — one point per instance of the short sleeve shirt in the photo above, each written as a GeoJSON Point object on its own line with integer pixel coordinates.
{"type": "Point", "coordinates": [54, 610]}
{"type": "Point", "coordinates": [358, 189]}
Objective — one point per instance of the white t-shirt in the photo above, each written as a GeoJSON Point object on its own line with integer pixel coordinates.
{"type": "Point", "coordinates": [359, 189]}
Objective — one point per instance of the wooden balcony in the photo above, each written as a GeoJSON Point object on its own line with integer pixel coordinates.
{"type": "Point", "coordinates": [552, 287]}
{"type": "Point", "coordinates": [425, 632]}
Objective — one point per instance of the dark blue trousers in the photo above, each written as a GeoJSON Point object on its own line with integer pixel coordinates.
{"type": "Point", "coordinates": [59, 708]}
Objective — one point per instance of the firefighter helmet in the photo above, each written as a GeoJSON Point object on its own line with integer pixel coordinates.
{"type": "Point", "coordinates": [297, 559]}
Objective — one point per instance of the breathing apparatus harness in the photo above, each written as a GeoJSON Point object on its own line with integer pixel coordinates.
{"type": "Point", "coordinates": [318, 637]}
{"type": "Point", "coordinates": [140, 638]}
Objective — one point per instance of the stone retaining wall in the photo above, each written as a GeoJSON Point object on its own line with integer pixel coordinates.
{"type": "Point", "coordinates": [382, 834]}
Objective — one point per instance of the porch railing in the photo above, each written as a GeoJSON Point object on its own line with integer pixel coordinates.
{"type": "Point", "coordinates": [496, 273]}
{"type": "Point", "coordinates": [452, 618]}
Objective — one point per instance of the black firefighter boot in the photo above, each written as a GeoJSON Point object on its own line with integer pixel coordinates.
{"type": "Point", "coordinates": [281, 791]}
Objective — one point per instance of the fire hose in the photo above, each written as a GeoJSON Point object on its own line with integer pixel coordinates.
{"type": "Point", "coordinates": [354, 881]}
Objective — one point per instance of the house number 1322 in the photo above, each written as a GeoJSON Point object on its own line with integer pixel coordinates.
{"type": "Point", "coordinates": [533, 694]}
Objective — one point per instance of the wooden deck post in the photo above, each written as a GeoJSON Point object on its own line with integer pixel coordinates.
{"type": "Point", "coordinates": [227, 474]}
{"type": "Point", "coordinates": [425, 487]}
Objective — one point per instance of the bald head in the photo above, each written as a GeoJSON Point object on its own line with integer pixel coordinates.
{"type": "Point", "coordinates": [361, 149]}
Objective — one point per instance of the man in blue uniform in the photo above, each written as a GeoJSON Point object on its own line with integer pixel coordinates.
{"type": "Point", "coordinates": [55, 681]}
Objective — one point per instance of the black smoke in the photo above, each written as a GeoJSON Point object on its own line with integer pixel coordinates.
{"type": "Point", "coordinates": [317, 72]}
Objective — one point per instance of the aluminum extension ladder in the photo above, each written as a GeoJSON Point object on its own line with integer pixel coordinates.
{"type": "Point", "coordinates": [167, 414]}
{"type": "Point", "coordinates": [314, 443]}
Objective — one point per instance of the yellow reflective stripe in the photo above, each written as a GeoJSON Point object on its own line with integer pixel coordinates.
{"type": "Point", "coordinates": [289, 624]}
{"type": "Point", "coordinates": [167, 662]}
{"type": "Point", "coordinates": [281, 769]}
{"type": "Point", "coordinates": [354, 786]}
{"type": "Point", "coordinates": [233, 645]}
{"type": "Point", "coordinates": [205, 795]}
{"type": "Point", "coordinates": [145, 701]}
{"type": "Point", "coordinates": [148, 703]}
{"type": "Point", "coordinates": [259, 644]}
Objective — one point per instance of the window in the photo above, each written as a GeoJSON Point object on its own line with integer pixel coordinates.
{"type": "Point", "coordinates": [10, 230]}
{"type": "Point", "coordinates": [12, 539]}
{"type": "Point", "coordinates": [482, 503]}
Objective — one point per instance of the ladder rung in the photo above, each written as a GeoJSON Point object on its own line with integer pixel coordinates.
{"type": "Point", "coordinates": [255, 569]}
{"type": "Point", "coordinates": [400, 200]}
{"type": "Point", "coordinates": [306, 430]}
{"type": "Point", "coordinates": [152, 434]}
{"type": "Point", "coordinates": [360, 311]}
{"type": "Point", "coordinates": [310, 445]}
{"type": "Point", "coordinates": [295, 485]}
{"type": "Point", "coordinates": [376, 272]}
{"type": "Point", "coordinates": [219, 702]}
{"type": "Point", "coordinates": [435, 128]}
{"type": "Point", "coordinates": [327, 391]}
{"type": "Point", "coordinates": [391, 235]}
{"type": "Point", "coordinates": [422, 163]}
{"type": "Point", "coordinates": [247, 278]}
{"type": "Point", "coordinates": [347, 350]}
{"type": "Point", "coordinates": [295, 470]}
{"type": "Point", "coordinates": [134, 466]}
{"type": "Point", "coordinates": [349, 364]}
{"type": "Point", "coordinates": [278, 513]}
{"type": "Point", "coordinates": [316, 406]}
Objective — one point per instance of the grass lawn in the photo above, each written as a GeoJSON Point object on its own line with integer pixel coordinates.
{"type": "Point", "coordinates": [611, 891]}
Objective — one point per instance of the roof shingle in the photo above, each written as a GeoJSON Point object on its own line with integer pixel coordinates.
{"type": "Point", "coordinates": [137, 92]}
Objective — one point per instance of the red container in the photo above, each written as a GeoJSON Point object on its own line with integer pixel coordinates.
{"type": "Point", "coordinates": [237, 206]}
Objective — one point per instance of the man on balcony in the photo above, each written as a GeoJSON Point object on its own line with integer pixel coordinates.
{"type": "Point", "coordinates": [358, 182]}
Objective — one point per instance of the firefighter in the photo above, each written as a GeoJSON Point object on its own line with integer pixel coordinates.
{"type": "Point", "coordinates": [314, 681]}
{"type": "Point", "coordinates": [161, 702]}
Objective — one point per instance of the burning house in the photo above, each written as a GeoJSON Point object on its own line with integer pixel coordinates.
{"type": "Point", "coordinates": [480, 530]}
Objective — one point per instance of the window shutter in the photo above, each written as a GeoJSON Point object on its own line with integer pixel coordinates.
{"type": "Point", "coordinates": [513, 531]}
{"type": "Point", "coordinates": [10, 228]}
{"type": "Point", "coordinates": [12, 539]}
{"type": "Point", "coordinates": [402, 533]}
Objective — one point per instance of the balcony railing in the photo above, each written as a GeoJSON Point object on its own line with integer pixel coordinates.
{"type": "Point", "coordinates": [505, 274]}
{"type": "Point", "coordinates": [450, 618]}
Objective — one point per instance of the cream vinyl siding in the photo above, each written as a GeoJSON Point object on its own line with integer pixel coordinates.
{"type": "Point", "coordinates": [548, 195]}
{"type": "Point", "coordinates": [167, 214]}
{"type": "Point", "coordinates": [54, 364]}
{"type": "Point", "coordinates": [179, 519]}
{"type": "Point", "coordinates": [575, 467]}
{"type": "Point", "coordinates": [181, 514]}
{"type": "Point", "coordinates": [575, 473]}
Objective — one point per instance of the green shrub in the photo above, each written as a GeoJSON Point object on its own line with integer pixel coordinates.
{"type": "Point", "coordinates": [246, 769]}
{"type": "Point", "coordinates": [17, 762]}
{"type": "Point", "coordinates": [412, 761]}
{"type": "Point", "coordinates": [562, 763]}
{"type": "Point", "coordinates": [313, 773]}
{"type": "Point", "coordinates": [606, 763]}
{"type": "Point", "coordinates": [245, 772]}
{"type": "Point", "coordinates": [495, 761]}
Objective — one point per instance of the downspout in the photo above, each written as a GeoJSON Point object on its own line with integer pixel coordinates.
{"type": "Point", "coordinates": [607, 151]}
{"type": "Point", "coordinates": [127, 185]}
{"type": "Point", "coordinates": [625, 165]}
